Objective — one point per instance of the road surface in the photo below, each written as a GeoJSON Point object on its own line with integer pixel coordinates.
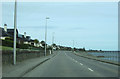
{"type": "Point", "coordinates": [67, 64]}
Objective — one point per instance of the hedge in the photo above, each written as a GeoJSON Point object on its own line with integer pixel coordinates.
{"type": "Point", "coordinates": [9, 43]}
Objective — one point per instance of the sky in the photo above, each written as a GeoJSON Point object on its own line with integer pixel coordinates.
{"type": "Point", "coordinates": [93, 25]}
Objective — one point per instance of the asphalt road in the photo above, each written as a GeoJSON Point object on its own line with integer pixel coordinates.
{"type": "Point", "coordinates": [67, 64]}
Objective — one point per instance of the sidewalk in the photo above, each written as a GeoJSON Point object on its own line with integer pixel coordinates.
{"type": "Point", "coordinates": [21, 68]}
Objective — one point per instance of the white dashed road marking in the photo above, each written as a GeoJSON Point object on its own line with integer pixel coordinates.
{"type": "Point", "coordinates": [90, 69]}
{"type": "Point", "coordinates": [81, 64]}
{"type": "Point", "coordinates": [75, 61]}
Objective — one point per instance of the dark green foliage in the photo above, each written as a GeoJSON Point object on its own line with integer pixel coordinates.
{"type": "Point", "coordinates": [54, 45]}
{"type": "Point", "coordinates": [23, 46]}
{"type": "Point", "coordinates": [10, 38]}
{"type": "Point", "coordinates": [43, 43]}
{"type": "Point", "coordinates": [9, 43]}
{"type": "Point", "coordinates": [81, 49]}
{"type": "Point", "coordinates": [36, 41]}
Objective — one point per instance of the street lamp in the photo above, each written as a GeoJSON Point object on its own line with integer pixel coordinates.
{"type": "Point", "coordinates": [73, 45]}
{"type": "Point", "coordinates": [46, 34]}
{"type": "Point", "coordinates": [53, 37]}
{"type": "Point", "coordinates": [15, 25]}
{"type": "Point", "coordinates": [52, 40]}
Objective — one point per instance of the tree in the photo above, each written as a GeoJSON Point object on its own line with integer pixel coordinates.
{"type": "Point", "coordinates": [36, 41]}
{"type": "Point", "coordinates": [43, 43]}
{"type": "Point", "coordinates": [54, 45]}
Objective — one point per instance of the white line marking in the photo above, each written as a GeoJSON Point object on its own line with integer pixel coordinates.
{"type": "Point", "coordinates": [90, 69]}
{"type": "Point", "coordinates": [73, 59]}
{"type": "Point", "coordinates": [81, 64]}
{"type": "Point", "coordinates": [76, 61]}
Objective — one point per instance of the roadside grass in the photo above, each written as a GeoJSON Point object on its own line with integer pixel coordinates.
{"type": "Point", "coordinates": [6, 48]}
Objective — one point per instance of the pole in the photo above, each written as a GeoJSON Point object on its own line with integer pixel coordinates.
{"type": "Point", "coordinates": [53, 38]}
{"type": "Point", "coordinates": [46, 35]}
{"type": "Point", "coordinates": [52, 41]}
{"type": "Point", "coordinates": [15, 25]}
{"type": "Point", "coordinates": [73, 45]}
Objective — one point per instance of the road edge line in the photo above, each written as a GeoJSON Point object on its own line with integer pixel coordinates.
{"type": "Point", "coordinates": [97, 60]}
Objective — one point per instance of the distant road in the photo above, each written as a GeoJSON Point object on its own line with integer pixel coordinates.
{"type": "Point", "coordinates": [67, 64]}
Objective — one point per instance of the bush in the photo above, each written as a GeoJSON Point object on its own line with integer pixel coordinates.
{"type": "Point", "coordinates": [9, 38]}
{"type": "Point", "coordinates": [8, 43]}
{"type": "Point", "coordinates": [23, 46]}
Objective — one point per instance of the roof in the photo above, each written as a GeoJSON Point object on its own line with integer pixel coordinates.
{"type": "Point", "coordinates": [20, 36]}
{"type": "Point", "coordinates": [31, 40]}
{"type": "Point", "coordinates": [28, 37]}
{"type": "Point", "coordinates": [10, 33]}
{"type": "Point", "coordinates": [3, 33]}
{"type": "Point", "coordinates": [11, 30]}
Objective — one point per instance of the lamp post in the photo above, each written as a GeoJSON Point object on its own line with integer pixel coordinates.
{"type": "Point", "coordinates": [53, 37]}
{"type": "Point", "coordinates": [73, 45]}
{"type": "Point", "coordinates": [52, 40]}
{"type": "Point", "coordinates": [15, 25]}
{"type": "Point", "coordinates": [46, 34]}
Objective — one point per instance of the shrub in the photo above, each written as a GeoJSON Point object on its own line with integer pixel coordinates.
{"type": "Point", "coordinates": [8, 43]}
{"type": "Point", "coordinates": [23, 46]}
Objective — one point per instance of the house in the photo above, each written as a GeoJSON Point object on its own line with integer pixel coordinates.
{"type": "Point", "coordinates": [11, 32]}
{"type": "Point", "coordinates": [38, 45]}
{"type": "Point", "coordinates": [21, 39]}
{"type": "Point", "coordinates": [31, 42]}
{"type": "Point", "coordinates": [7, 33]}
{"type": "Point", "coordinates": [3, 34]}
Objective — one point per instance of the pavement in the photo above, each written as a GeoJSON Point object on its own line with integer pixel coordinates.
{"type": "Point", "coordinates": [23, 67]}
{"type": "Point", "coordinates": [67, 64]}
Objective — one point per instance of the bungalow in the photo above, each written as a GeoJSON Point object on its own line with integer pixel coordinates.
{"type": "Point", "coordinates": [3, 34]}
{"type": "Point", "coordinates": [21, 39]}
{"type": "Point", "coordinates": [7, 33]}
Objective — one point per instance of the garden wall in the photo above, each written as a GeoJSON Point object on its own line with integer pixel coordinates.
{"type": "Point", "coordinates": [7, 55]}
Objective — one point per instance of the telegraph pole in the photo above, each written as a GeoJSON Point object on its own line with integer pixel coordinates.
{"type": "Point", "coordinates": [15, 26]}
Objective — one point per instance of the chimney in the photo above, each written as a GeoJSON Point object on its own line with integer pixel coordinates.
{"type": "Point", "coordinates": [25, 34]}
{"type": "Point", "coordinates": [5, 27]}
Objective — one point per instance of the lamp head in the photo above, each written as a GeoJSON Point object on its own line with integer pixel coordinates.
{"type": "Point", "coordinates": [47, 18]}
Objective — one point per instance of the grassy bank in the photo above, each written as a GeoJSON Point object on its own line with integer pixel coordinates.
{"type": "Point", "coordinates": [4, 48]}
